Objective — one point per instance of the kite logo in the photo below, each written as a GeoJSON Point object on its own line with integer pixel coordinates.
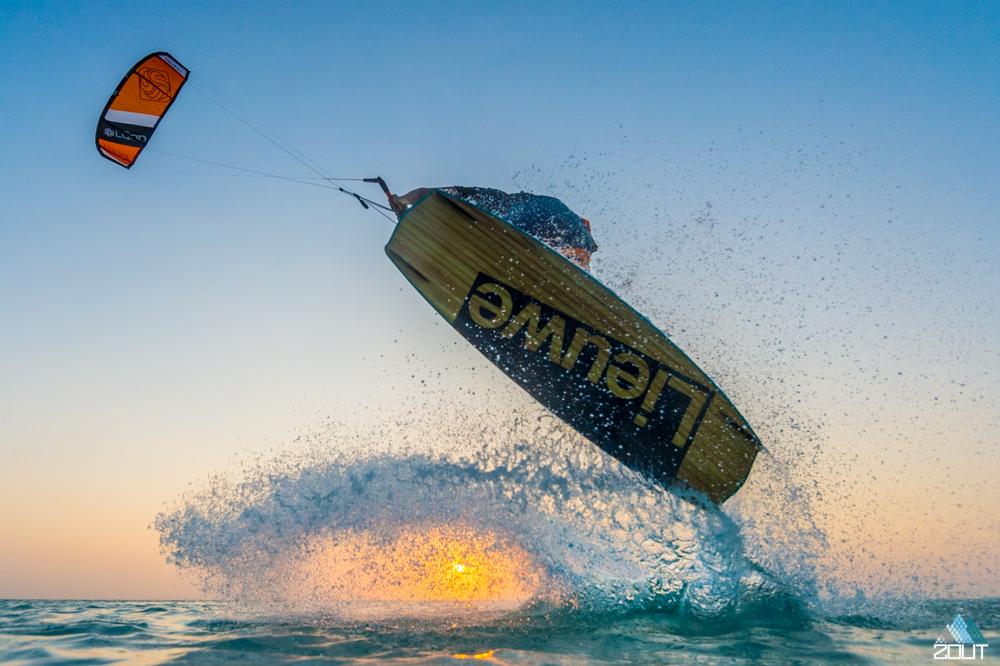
{"type": "Point", "coordinates": [122, 134]}
{"type": "Point", "coordinates": [959, 637]}
{"type": "Point", "coordinates": [154, 85]}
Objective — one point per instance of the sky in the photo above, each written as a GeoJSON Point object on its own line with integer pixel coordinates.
{"type": "Point", "coordinates": [803, 195]}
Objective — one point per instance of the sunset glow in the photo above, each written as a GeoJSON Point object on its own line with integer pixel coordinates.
{"type": "Point", "coordinates": [422, 563]}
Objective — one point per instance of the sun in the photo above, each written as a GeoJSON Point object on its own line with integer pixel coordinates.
{"type": "Point", "coordinates": [421, 562]}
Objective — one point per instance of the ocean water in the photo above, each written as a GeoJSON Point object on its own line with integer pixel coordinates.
{"type": "Point", "coordinates": [524, 544]}
{"type": "Point", "coordinates": [134, 632]}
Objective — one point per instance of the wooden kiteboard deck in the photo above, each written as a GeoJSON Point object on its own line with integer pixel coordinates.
{"type": "Point", "coordinates": [574, 345]}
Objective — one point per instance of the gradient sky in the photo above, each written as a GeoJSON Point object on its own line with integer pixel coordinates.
{"type": "Point", "coordinates": [160, 321]}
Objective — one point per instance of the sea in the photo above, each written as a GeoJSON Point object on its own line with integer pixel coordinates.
{"type": "Point", "coordinates": [529, 546]}
{"type": "Point", "coordinates": [183, 632]}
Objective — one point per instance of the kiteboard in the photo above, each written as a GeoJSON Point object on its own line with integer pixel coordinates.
{"type": "Point", "coordinates": [574, 346]}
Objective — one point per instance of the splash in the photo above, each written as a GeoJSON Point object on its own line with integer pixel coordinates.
{"type": "Point", "coordinates": [528, 517]}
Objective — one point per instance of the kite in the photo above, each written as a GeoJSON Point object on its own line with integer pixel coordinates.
{"type": "Point", "coordinates": [137, 106]}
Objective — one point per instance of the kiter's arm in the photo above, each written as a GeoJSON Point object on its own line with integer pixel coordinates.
{"type": "Point", "coordinates": [410, 198]}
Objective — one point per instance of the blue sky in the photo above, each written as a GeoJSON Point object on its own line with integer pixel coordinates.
{"type": "Point", "coordinates": [159, 321]}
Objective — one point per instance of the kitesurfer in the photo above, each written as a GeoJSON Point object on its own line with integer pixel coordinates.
{"type": "Point", "coordinates": [546, 218]}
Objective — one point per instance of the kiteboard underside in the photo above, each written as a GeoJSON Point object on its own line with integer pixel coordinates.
{"type": "Point", "coordinates": [574, 346]}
